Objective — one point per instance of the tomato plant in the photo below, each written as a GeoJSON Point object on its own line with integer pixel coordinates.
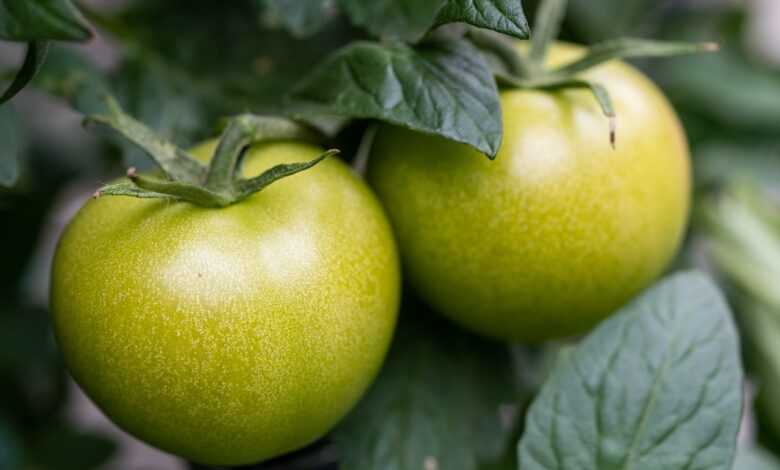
{"type": "Point", "coordinates": [565, 202]}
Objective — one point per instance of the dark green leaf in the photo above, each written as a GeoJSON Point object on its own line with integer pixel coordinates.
{"type": "Point", "coordinates": [10, 448]}
{"type": "Point", "coordinates": [657, 386]}
{"type": "Point", "coordinates": [68, 75]}
{"type": "Point", "coordinates": [442, 87]}
{"type": "Point", "coordinates": [437, 403]}
{"type": "Point", "coordinates": [32, 377]}
{"type": "Point", "coordinates": [755, 458]}
{"type": "Point", "coordinates": [225, 75]}
{"type": "Point", "coordinates": [37, 20]}
{"type": "Point", "coordinates": [503, 16]}
{"type": "Point", "coordinates": [65, 449]}
{"type": "Point", "coordinates": [33, 59]}
{"type": "Point", "coordinates": [9, 146]}
{"type": "Point", "coordinates": [409, 20]}
{"type": "Point", "coordinates": [301, 17]}
{"type": "Point", "coordinates": [25, 341]}
{"type": "Point", "coordinates": [394, 19]}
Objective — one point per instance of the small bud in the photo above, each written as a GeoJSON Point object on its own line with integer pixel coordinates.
{"type": "Point", "coordinates": [97, 194]}
{"type": "Point", "coordinates": [131, 172]}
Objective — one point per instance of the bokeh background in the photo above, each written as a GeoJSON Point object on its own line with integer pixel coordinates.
{"type": "Point", "coordinates": [181, 65]}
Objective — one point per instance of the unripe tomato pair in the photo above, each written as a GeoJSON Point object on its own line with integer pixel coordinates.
{"type": "Point", "coordinates": [233, 335]}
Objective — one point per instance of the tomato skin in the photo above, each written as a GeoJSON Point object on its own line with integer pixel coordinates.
{"type": "Point", "coordinates": [230, 336]}
{"type": "Point", "coordinates": [558, 231]}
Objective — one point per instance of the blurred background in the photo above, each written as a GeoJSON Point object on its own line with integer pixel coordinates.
{"type": "Point", "coordinates": [181, 65]}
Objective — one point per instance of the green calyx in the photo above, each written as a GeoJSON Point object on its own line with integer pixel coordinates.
{"type": "Point", "coordinates": [219, 184]}
{"type": "Point", "coordinates": [529, 72]}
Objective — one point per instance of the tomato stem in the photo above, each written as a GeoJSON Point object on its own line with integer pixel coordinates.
{"type": "Point", "coordinates": [174, 162]}
{"type": "Point", "coordinates": [247, 187]}
{"type": "Point", "coordinates": [504, 49]}
{"type": "Point", "coordinates": [628, 48]}
{"type": "Point", "coordinates": [241, 132]}
{"type": "Point", "coordinates": [189, 192]}
{"type": "Point", "coordinates": [547, 25]}
{"type": "Point", "coordinates": [530, 72]}
{"type": "Point", "coordinates": [218, 185]}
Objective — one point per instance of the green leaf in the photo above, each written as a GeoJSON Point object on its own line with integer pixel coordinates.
{"type": "Point", "coordinates": [443, 87]}
{"type": "Point", "coordinates": [657, 386]}
{"type": "Point", "coordinates": [33, 59]}
{"type": "Point", "coordinates": [9, 146]}
{"type": "Point", "coordinates": [409, 20]}
{"type": "Point", "coordinates": [302, 18]}
{"type": "Point", "coordinates": [503, 16]}
{"type": "Point", "coordinates": [394, 19]}
{"type": "Point", "coordinates": [755, 458]}
{"type": "Point", "coordinates": [436, 404]}
{"type": "Point", "coordinates": [37, 20]}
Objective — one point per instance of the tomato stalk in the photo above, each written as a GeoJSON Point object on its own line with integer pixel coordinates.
{"type": "Point", "coordinates": [529, 71]}
{"type": "Point", "coordinates": [220, 183]}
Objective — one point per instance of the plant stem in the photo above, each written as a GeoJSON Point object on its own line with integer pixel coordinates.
{"type": "Point", "coordinates": [176, 163]}
{"type": "Point", "coordinates": [504, 49]}
{"type": "Point", "coordinates": [629, 47]}
{"type": "Point", "coordinates": [546, 28]}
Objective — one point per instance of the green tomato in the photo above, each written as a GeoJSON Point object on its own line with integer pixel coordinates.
{"type": "Point", "coordinates": [558, 231]}
{"type": "Point", "coordinates": [230, 336]}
